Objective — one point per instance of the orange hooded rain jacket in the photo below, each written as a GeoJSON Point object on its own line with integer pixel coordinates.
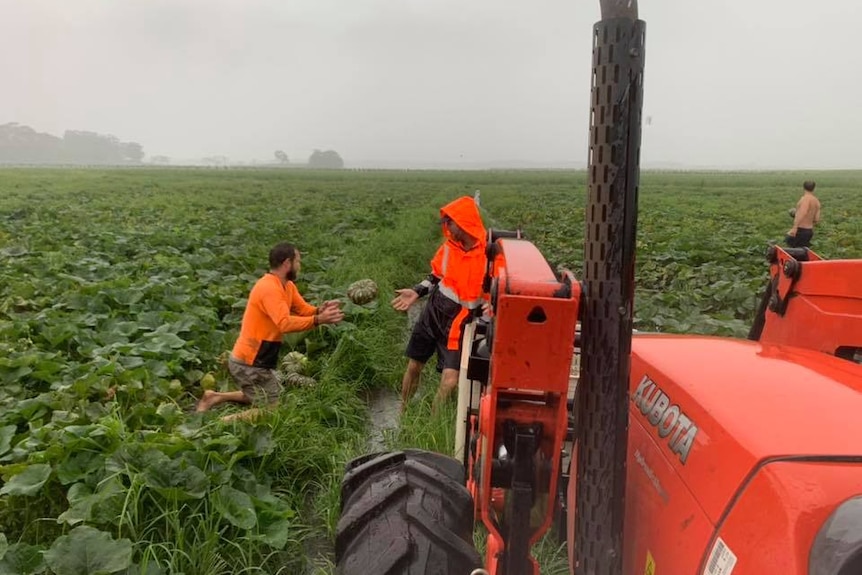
{"type": "Point", "coordinates": [461, 270]}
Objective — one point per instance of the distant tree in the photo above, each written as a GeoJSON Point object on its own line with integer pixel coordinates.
{"type": "Point", "coordinates": [22, 144]}
{"type": "Point", "coordinates": [281, 157]}
{"type": "Point", "coordinates": [217, 161]}
{"type": "Point", "coordinates": [160, 160]}
{"type": "Point", "coordinates": [132, 152]}
{"type": "Point", "coordinates": [327, 160]}
{"type": "Point", "coordinates": [83, 147]}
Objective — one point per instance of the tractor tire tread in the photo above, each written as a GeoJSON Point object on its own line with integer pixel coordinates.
{"type": "Point", "coordinates": [359, 469]}
{"type": "Point", "coordinates": [405, 517]}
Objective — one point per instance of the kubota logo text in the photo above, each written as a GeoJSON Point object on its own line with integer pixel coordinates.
{"type": "Point", "coordinates": [670, 422]}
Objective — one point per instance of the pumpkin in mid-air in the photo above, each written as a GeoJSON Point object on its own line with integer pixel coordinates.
{"type": "Point", "coordinates": [362, 292]}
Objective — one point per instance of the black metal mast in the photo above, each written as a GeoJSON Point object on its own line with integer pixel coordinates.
{"type": "Point", "coordinates": [609, 258]}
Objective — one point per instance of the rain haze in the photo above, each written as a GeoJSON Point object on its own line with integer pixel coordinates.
{"type": "Point", "coordinates": [410, 83]}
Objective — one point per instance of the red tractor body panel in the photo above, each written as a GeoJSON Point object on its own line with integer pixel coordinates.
{"type": "Point", "coordinates": [749, 402]}
{"type": "Point", "coordinates": [756, 440]}
{"type": "Point", "coordinates": [817, 304]}
{"type": "Point", "coordinates": [664, 521]}
{"type": "Point", "coordinates": [773, 523]}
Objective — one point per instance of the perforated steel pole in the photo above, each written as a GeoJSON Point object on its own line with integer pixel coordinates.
{"type": "Point", "coordinates": [609, 258]}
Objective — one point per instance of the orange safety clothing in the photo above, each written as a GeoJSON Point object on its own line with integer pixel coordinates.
{"type": "Point", "coordinates": [273, 309]}
{"type": "Point", "coordinates": [461, 270]}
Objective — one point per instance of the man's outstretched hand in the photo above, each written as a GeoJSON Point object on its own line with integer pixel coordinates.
{"type": "Point", "coordinates": [405, 298]}
{"type": "Point", "coordinates": [329, 312]}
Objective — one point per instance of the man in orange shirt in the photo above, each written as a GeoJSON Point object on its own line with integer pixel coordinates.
{"type": "Point", "coordinates": [274, 308]}
{"type": "Point", "coordinates": [454, 289]}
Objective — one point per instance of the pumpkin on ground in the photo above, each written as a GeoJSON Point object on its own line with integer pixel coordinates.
{"type": "Point", "coordinates": [294, 362]}
{"type": "Point", "coordinates": [298, 379]}
{"type": "Point", "coordinates": [208, 381]}
{"type": "Point", "coordinates": [293, 366]}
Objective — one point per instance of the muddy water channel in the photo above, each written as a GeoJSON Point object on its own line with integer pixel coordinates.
{"type": "Point", "coordinates": [384, 410]}
{"type": "Point", "coordinates": [384, 405]}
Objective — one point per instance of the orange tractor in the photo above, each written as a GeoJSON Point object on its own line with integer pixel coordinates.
{"type": "Point", "coordinates": [652, 453]}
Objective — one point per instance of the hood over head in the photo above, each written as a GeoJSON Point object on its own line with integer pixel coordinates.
{"type": "Point", "coordinates": [464, 212]}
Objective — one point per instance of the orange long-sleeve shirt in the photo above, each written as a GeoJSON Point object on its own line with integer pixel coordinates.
{"type": "Point", "coordinates": [273, 309]}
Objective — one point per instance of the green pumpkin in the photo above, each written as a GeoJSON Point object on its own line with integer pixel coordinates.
{"type": "Point", "coordinates": [297, 379]}
{"type": "Point", "coordinates": [294, 362]}
{"type": "Point", "coordinates": [362, 292]}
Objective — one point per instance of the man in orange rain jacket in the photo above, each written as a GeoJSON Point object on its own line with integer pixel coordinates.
{"type": "Point", "coordinates": [274, 308]}
{"type": "Point", "coordinates": [454, 287]}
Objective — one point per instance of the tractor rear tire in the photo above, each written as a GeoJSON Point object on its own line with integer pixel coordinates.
{"type": "Point", "coordinates": [449, 466]}
{"type": "Point", "coordinates": [404, 515]}
{"type": "Point", "coordinates": [356, 472]}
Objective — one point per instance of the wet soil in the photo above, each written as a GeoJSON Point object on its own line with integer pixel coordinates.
{"type": "Point", "coordinates": [384, 410]}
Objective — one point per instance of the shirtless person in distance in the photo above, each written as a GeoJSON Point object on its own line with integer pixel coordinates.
{"type": "Point", "coordinates": [807, 215]}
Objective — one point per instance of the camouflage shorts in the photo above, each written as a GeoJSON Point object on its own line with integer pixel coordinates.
{"type": "Point", "coordinates": [259, 384]}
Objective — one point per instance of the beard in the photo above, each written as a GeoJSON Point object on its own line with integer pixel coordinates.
{"type": "Point", "coordinates": [291, 275]}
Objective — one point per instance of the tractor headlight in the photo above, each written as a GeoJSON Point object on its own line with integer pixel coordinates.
{"type": "Point", "coordinates": [837, 549]}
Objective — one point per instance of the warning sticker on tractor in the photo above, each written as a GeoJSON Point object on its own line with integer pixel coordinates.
{"type": "Point", "coordinates": [721, 560]}
{"type": "Point", "coordinates": [650, 564]}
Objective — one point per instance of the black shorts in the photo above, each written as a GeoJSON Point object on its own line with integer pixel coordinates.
{"type": "Point", "coordinates": [431, 333]}
{"type": "Point", "coordinates": [802, 239]}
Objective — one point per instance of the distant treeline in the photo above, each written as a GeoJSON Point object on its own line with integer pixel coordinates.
{"type": "Point", "coordinates": [23, 145]}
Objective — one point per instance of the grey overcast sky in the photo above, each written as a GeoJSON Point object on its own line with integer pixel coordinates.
{"type": "Point", "coordinates": [728, 83]}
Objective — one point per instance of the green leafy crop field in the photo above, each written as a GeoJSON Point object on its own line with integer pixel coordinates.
{"type": "Point", "coordinates": [121, 290]}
